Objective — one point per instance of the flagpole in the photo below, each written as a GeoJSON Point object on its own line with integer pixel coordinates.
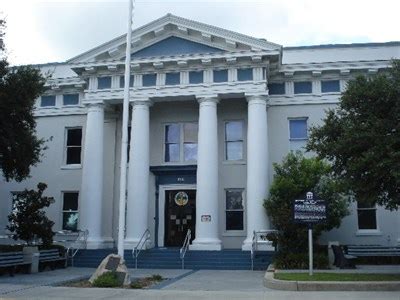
{"type": "Point", "coordinates": [124, 142]}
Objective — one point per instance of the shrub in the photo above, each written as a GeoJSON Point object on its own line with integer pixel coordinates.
{"type": "Point", "coordinates": [136, 285]}
{"type": "Point", "coordinates": [107, 280]}
{"type": "Point", "coordinates": [28, 221]}
{"type": "Point", "coordinates": [295, 176]}
{"type": "Point", "coordinates": [300, 261]}
{"type": "Point", "coordinates": [156, 277]}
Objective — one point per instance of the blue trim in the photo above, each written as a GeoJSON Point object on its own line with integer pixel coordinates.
{"type": "Point", "coordinates": [174, 46]}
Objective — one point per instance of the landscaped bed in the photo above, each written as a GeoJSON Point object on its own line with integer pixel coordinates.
{"type": "Point", "coordinates": [108, 282]}
{"type": "Point", "coordinates": [336, 277]}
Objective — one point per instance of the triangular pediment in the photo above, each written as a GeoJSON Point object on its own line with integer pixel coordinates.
{"type": "Point", "coordinates": [172, 46]}
{"type": "Point", "coordinates": [175, 36]}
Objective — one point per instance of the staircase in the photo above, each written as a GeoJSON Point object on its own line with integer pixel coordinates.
{"type": "Point", "coordinates": [168, 258]}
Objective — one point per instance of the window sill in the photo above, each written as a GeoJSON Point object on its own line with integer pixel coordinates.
{"type": "Point", "coordinates": [234, 233]}
{"type": "Point", "coordinates": [233, 162]}
{"type": "Point", "coordinates": [71, 167]}
{"type": "Point", "coordinates": [368, 232]}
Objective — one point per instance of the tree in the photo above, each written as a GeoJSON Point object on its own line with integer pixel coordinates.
{"type": "Point", "coordinates": [294, 177]}
{"type": "Point", "coordinates": [19, 87]}
{"type": "Point", "coordinates": [361, 138]}
{"type": "Point", "coordinates": [28, 221]}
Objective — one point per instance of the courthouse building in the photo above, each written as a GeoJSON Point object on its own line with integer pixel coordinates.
{"type": "Point", "coordinates": [211, 110]}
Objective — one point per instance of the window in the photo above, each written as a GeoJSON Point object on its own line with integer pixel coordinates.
{"type": "Point", "coordinates": [70, 99]}
{"type": "Point", "coordinates": [196, 77]}
{"type": "Point", "coordinates": [181, 142]}
{"type": "Point", "coordinates": [220, 75]}
{"type": "Point", "coordinates": [172, 78]}
{"type": "Point", "coordinates": [245, 74]}
{"type": "Point", "coordinates": [122, 81]}
{"type": "Point", "coordinates": [298, 134]}
{"type": "Point", "coordinates": [104, 83]}
{"type": "Point", "coordinates": [234, 211]}
{"type": "Point", "coordinates": [149, 79]}
{"type": "Point", "coordinates": [73, 146]}
{"type": "Point", "coordinates": [47, 101]}
{"type": "Point", "coordinates": [234, 140]}
{"type": "Point", "coordinates": [303, 87]}
{"type": "Point", "coordinates": [70, 213]}
{"type": "Point", "coordinates": [276, 88]}
{"type": "Point", "coordinates": [330, 86]}
{"type": "Point", "coordinates": [366, 215]}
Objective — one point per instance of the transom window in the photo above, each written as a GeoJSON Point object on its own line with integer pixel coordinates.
{"type": "Point", "coordinates": [234, 140]}
{"type": "Point", "coordinates": [47, 101]}
{"type": "Point", "coordinates": [196, 77]}
{"type": "Point", "coordinates": [73, 146]}
{"type": "Point", "coordinates": [172, 78]}
{"type": "Point", "coordinates": [122, 81]}
{"type": "Point", "coordinates": [180, 142]}
{"type": "Point", "coordinates": [220, 75]}
{"type": "Point", "coordinates": [330, 86]}
{"type": "Point", "coordinates": [70, 213]}
{"type": "Point", "coordinates": [70, 99]}
{"type": "Point", "coordinates": [303, 87]}
{"type": "Point", "coordinates": [234, 209]}
{"type": "Point", "coordinates": [149, 79]}
{"type": "Point", "coordinates": [366, 216]}
{"type": "Point", "coordinates": [245, 74]}
{"type": "Point", "coordinates": [104, 82]}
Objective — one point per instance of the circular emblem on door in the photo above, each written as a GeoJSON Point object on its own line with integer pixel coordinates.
{"type": "Point", "coordinates": [181, 198]}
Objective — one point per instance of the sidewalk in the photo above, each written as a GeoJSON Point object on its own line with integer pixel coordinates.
{"type": "Point", "coordinates": [183, 284]}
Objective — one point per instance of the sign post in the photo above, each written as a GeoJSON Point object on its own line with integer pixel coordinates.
{"type": "Point", "coordinates": [309, 210]}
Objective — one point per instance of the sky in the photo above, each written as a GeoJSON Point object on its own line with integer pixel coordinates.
{"type": "Point", "coordinates": [54, 31]}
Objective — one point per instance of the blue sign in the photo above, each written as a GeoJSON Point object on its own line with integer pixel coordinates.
{"type": "Point", "coordinates": [310, 210]}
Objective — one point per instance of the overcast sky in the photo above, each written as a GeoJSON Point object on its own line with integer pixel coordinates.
{"type": "Point", "coordinates": [48, 31]}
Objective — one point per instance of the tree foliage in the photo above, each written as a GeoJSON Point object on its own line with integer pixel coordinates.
{"type": "Point", "coordinates": [361, 138]}
{"type": "Point", "coordinates": [28, 221]}
{"type": "Point", "coordinates": [19, 146]}
{"type": "Point", "coordinates": [294, 177]}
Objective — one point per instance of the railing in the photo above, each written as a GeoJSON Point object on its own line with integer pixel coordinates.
{"type": "Point", "coordinates": [259, 238]}
{"type": "Point", "coordinates": [74, 245]}
{"type": "Point", "coordinates": [182, 251]}
{"type": "Point", "coordinates": [139, 247]}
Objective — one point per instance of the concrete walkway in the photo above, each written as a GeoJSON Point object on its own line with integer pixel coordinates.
{"type": "Point", "coordinates": [182, 284]}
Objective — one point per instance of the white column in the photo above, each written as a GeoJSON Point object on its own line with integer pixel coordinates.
{"type": "Point", "coordinates": [138, 174]}
{"type": "Point", "coordinates": [257, 167]}
{"type": "Point", "coordinates": [91, 198]}
{"type": "Point", "coordinates": [207, 178]}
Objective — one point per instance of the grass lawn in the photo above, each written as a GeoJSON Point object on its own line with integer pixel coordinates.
{"type": "Point", "coordinates": [337, 277]}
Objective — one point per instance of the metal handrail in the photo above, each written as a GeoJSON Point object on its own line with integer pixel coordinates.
{"type": "Point", "coordinates": [139, 247]}
{"type": "Point", "coordinates": [76, 245]}
{"type": "Point", "coordinates": [182, 251]}
{"type": "Point", "coordinates": [255, 241]}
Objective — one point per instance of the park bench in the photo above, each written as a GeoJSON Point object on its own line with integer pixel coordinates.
{"type": "Point", "coordinates": [52, 258]}
{"type": "Point", "coordinates": [373, 250]}
{"type": "Point", "coordinates": [342, 260]}
{"type": "Point", "coordinates": [10, 261]}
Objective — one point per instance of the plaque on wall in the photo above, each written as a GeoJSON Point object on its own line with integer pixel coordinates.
{"type": "Point", "coordinates": [206, 218]}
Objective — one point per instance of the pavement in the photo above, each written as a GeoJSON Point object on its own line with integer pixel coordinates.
{"type": "Point", "coordinates": [181, 284]}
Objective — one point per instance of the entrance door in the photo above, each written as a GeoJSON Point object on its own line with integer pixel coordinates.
{"type": "Point", "coordinates": [180, 215]}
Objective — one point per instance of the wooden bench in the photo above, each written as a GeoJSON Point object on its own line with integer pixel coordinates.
{"type": "Point", "coordinates": [52, 258]}
{"type": "Point", "coordinates": [10, 261]}
{"type": "Point", "coordinates": [372, 251]}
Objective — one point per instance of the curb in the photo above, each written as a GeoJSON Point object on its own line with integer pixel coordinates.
{"type": "Point", "coordinates": [272, 283]}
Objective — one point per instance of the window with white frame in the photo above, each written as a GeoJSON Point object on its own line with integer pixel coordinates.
{"type": "Point", "coordinates": [48, 101]}
{"type": "Point", "coordinates": [70, 99]}
{"type": "Point", "coordinates": [73, 146]}
{"type": "Point", "coordinates": [70, 214]}
{"type": "Point", "coordinates": [298, 134]}
{"type": "Point", "coordinates": [366, 216]}
{"type": "Point", "coordinates": [234, 210]}
{"type": "Point", "coordinates": [180, 142]}
{"type": "Point", "coordinates": [234, 140]}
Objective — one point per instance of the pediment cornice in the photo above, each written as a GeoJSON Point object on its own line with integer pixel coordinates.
{"type": "Point", "coordinates": [171, 25]}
